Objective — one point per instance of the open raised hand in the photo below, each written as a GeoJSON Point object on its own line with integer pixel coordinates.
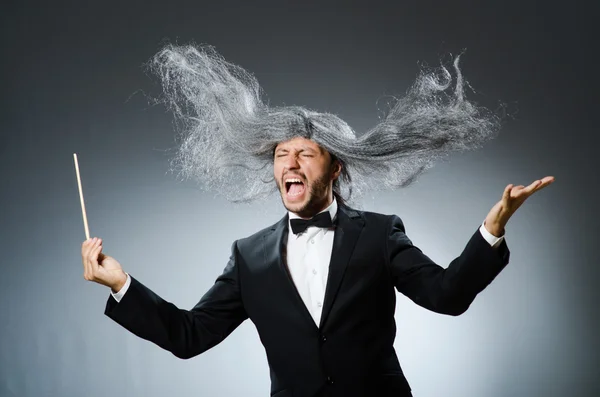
{"type": "Point", "coordinates": [512, 199]}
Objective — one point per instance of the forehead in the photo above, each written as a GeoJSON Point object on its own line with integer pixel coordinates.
{"type": "Point", "coordinates": [299, 143]}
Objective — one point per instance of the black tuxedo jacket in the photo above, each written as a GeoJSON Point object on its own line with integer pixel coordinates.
{"type": "Point", "coordinates": [350, 354]}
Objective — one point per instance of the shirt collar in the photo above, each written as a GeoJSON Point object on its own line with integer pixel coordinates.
{"type": "Point", "coordinates": [332, 208]}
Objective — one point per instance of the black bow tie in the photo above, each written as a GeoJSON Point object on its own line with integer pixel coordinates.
{"type": "Point", "coordinates": [320, 220]}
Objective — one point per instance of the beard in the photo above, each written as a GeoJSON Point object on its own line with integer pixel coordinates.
{"type": "Point", "coordinates": [316, 201]}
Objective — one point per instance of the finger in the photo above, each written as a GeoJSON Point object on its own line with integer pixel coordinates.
{"type": "Point", "coordinates": [89, 271]}
{"type": "Point", "coordinates": [506, 194]}
{"type": "Point", "coordinates": [538, 185]}
{"type": "Point", "coordinates": [534, 185]}
{"type": "Point", "coordinates": [85, 252]}
{"type": "Point", "coordinates": [88, 245]}
{"type": "Point", "coordinates": [95, 263]}
{"type": "Point", "coordinates": [100, 256]}
{"type": "Point", "coordinates": [93, 257]}
{"type": "Point", "coordinates": [545, 182]}
{"type": "Point", "coordinates": [517, 191]}
{"type": "Point", "coordinates": [541, 183]}
{"type": "Point", "coordinates": [85, 247]}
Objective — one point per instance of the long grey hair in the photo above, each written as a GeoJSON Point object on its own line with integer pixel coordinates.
{"type": "Point", "coordinates": [229, 133]}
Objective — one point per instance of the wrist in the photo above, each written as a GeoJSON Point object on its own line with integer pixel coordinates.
{"type": "Point", "coordinates": [494, 228]}
{"type": "Point", "coordinates": [116, 287]}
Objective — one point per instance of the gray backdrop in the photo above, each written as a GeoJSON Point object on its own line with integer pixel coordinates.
{"type": "Point", "coordinates": [72, 81]}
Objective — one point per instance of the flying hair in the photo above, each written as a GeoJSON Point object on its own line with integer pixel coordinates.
{"type": "Point", "coordinates": [228, 132]}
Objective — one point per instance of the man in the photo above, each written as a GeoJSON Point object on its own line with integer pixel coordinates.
{"type": "Point", "coordinates": [318, 284]}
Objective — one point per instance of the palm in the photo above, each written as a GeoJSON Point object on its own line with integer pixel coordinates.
{"type": "Point", "coordinates": [518, 194]}
{"type": "Point", "coordinates": [512, 199]}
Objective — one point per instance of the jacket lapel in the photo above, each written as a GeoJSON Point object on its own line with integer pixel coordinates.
{"type": "Point", "coordinates": [274, 247]}
{"type": "Point", "coordinates": [349, 224]}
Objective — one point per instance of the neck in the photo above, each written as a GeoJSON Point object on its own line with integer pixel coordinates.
{"type": "Point", "coordinates": [313, 210]}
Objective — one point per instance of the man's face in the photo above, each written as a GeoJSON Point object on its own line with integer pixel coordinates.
{"type": "Point", "coordinates": [304, 173]}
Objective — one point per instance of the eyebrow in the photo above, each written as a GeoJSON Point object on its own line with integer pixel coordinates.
{"type": "Point", "coordinates": [307, 149]}
{"type": "Point", "coordinates": [302, 149]}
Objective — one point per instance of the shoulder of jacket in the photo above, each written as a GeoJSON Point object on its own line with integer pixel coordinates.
{"type": "Point", "coordinates": [368, 215]}
{"type": "Point", "coordinates": [257, 236]}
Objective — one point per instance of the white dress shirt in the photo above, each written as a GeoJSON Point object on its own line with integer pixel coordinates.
{"type": "Point", "coordinates": [308, 257]}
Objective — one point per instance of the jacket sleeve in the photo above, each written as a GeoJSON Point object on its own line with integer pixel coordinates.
{"type": "Point", "coordinates": [448, 290]}
{"type": "Point", "coordinates": [185, 333]}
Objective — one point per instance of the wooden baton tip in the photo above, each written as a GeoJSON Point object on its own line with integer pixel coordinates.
{"type": "Point", "coordinates": [85, 222]}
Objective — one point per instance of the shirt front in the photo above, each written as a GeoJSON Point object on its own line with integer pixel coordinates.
{"type": "Point", "coordinates": [308, 257]}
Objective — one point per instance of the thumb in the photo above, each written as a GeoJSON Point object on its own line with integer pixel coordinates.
{"type": "Point", "coordinates": [506, 194]}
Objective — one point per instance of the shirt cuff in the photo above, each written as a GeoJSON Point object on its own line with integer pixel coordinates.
{"type": "Point", "coordinates": [119, 295]}
{"type": "Point", "coordinates": [489, 237]}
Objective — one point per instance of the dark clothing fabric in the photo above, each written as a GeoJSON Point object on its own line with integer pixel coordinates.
{"type": "Point", "coordinates": [351, 353]}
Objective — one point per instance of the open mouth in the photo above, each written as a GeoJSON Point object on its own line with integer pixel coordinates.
{"type": "Point", "coordinates": [294, 187]}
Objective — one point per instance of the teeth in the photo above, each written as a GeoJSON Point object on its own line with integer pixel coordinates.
{"type": "Point", "coordinates": [294, 180]}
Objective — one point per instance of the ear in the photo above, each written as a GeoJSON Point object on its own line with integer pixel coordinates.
{"type": "Point", "coordinates": [336, 169]}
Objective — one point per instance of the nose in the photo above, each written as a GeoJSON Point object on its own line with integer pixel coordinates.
{"type": "Point", "coordinates": [291, 162]}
